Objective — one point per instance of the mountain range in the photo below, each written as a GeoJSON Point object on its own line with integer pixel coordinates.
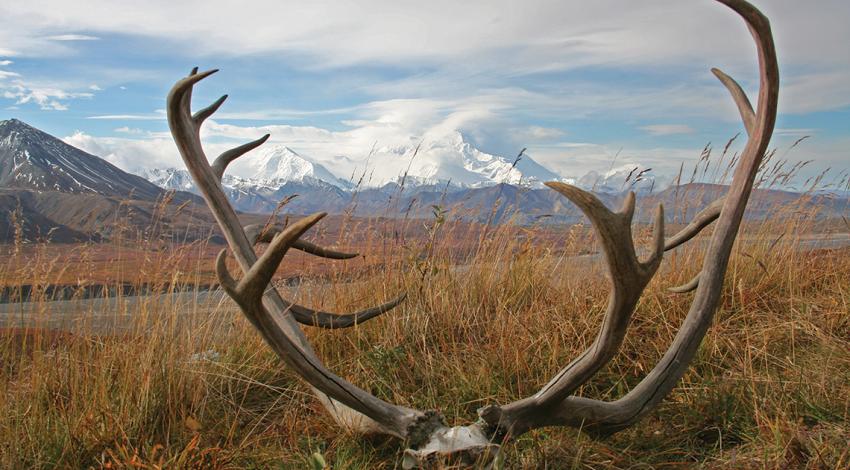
{"type": "Point", "coordinates": [447, 165]}
{"type": "Point", "coordinates": [450, 161]}
{"type": "Point", "coordinates": [49, 189]}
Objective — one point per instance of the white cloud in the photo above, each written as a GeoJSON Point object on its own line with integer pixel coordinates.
{"type": "Point", "coordinates": [465, 66]}
{"type": "Point", "coordinates": [533, 134]}
{"type": "Point", "coordinates": [480, 38]}
{"type": "Point", "coordinates": [94, 87]}
{"type": "Point", "coordinates": [47, 97]}
{"type": "Point", "coordinates": [129, 130]}
{"type": "Point", "coordinates": [794, 132]}
{"type": "Point", "coordinates": [667, 129]}
{"type": "Point", "coordinates": [813, 92]}
{"type": "Point", "coordinates": [130, 117]}
{"type": "Point", "coordinates": [439, 30]}
{"type": "Point", "coordinates": [73, 37]}
{"type": "Point", "coordinates": [4, 63]}
{"type": "Point", "coordinates": [128, 154]}
{"type": "Point", "coordinates": [404, 123]}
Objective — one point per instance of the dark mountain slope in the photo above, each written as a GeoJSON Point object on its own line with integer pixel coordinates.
{"type": "Point", "coordinates": [32, 159]}
{"type": "Point", "coordinates": [51, 190]}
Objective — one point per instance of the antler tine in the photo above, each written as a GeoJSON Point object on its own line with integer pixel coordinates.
{"type": "Point", "coordinates": [261, 233]}
{"type": "Point", "coordinates": [332, 321]}
{"type": "Point", "coordinates": [307, 316]}
{"type": "Point", "coordinates": [712, 212]}
{"type": "Point", "coordinates": [602, 417]}
{"type": "Point", "coordinates": [654, 259]}
{"type": "Point", "coordinates": [181, 93]}
{"type": "Point", "coordinates": [221, 162]}
{"type": "Point", "coordinates": [689, 286]}
{"type": "Point", "coordinates": [187, 98]}
{"type": "Point", "coordinates": [703, 219]}
{"type": "Point", "coordinates": [629, 277]}
{"type": "Point", "coordinates": [203, 114]}
{"type": "Point", "coordinates": [740, 98]}
{"type": "Point", "coordinates": [260, 275]}
{"type": "Point", "coordinates": [322, 252]}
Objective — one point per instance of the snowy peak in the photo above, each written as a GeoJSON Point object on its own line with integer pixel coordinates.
{"type": "Point", "coordinates": [627, 177]}
{"type": "Point", "coordinates": [170, 178]}
{"type": "Point", "coordinates": [452, 158]}
{"type": "Point", "coordinates": [521, 170]}
{"type": "Point", "coordinates": [277, 164]}
{"type": "Point", "coordinates": [34, 160]}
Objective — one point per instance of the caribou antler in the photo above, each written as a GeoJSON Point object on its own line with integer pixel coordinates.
{"type": "Point", "coordinates": [262, 305]}
{"type": "Point", "coordinates": [554, 404]}
{"type": "Point", "coordinates": [628, 276]}
{"type": "Point", "coordinates": [606, 417]}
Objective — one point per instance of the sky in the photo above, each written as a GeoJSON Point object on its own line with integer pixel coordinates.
{"type": "Point", "coordinates": [581, 85]}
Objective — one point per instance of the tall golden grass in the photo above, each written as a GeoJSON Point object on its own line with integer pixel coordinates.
{"type": "Point", "coordinates": [184, 382]}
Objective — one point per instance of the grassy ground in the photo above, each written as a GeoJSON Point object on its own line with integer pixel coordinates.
{"type": "Point", "coordinates": [492, 314]}
{"type": "Point", "coordinates": [769, 389]}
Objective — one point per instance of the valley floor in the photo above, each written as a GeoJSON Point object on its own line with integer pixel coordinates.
{"type": "Point", "coordinates": [182, 381]}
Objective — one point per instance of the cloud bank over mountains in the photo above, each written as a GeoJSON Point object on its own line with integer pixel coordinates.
{"type": "Point", "coordinates": [583, 86]}
{"type": "Point", "coordinates": [448, 159]}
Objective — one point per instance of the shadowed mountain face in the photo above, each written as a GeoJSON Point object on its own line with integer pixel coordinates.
{"type": "Point", "coordinates": [32, 159]}
{"type": "Point", "coordinates": [51, 190]}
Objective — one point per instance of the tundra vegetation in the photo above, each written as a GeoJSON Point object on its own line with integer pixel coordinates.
{"type": "Point", "coordinates": [751, 370]}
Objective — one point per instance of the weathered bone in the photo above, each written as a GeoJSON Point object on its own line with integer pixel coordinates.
{"type": "Point", "coordinates": [689, 286]}
{"type": "Point", "coordinates": [748, 116]}
{"type": "Point", "coordinates": [262, 233]}
{"type": "Point", "coordinates": [702, 220]}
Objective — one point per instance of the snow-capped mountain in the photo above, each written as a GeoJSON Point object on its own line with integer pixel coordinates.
{"type": "Point", "coordinates": [170, 178]}
{"type": "Point", "coordinates": [50, 190]}
{"type": "Point", "coordinates": [247, 194]}
{"type": "Point", "coordinates": [61, 193]}
{"type": "Point", "coordinates": [452, 159]}
{"type": "Point", "coordinates": [274, 165]}
{"type": "Point", "coordinates": [628, 177]}
{"type": "Point", "coordinates": [34, 160]}
{"type": "Point", "coordinates": [425, 165]}
{"type": "Point", "coordinates": [418, 167]}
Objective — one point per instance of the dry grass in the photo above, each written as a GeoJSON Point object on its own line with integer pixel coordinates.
{"type": "Point", "coordinates": [195, 387]}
